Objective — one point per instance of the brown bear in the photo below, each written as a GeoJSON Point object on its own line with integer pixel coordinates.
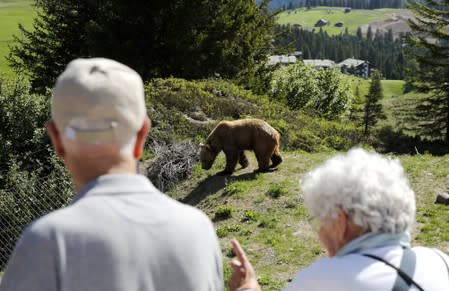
{"type": "Point", "coordinates": [234, 137]}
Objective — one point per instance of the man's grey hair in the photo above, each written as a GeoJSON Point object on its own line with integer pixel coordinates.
{"type": "Point", "coordinates": [371, 189]}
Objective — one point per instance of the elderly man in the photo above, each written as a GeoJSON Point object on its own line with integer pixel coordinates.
{"type": "Point", "coordinates": [120, 232]}
{"type": "Point", "coordinates": [365, 209]}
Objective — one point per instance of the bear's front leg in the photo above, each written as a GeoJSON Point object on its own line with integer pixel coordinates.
{"type": "Point", "coordinates": [263, 161]}
{"type": "Point", "coordinates": [232, 157]}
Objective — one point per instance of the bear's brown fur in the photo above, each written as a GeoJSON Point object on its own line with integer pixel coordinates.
{"type": "Point", "coordinates": [234, 137]}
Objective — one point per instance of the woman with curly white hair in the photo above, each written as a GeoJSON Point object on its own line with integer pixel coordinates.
{"type": "Point", "coordinates": [365, 209]}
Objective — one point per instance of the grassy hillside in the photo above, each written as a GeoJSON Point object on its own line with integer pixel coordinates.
{"type": "Point", "coordinates": [12, 12]}
{"type": "Point", "coordinates": [391, 88]}
{"type": "Point", "coordinates": [266, 212]}
{"type": "Point", "coordinates": [377, 18]}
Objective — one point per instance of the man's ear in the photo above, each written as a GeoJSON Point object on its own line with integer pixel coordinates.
{"type": "Point", "coordinates": [55, 139]}
{"type": "Point", "coordinates": [141, 138]}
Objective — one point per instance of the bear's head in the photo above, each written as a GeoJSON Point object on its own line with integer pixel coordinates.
{"type": "Point", "coordinates": [207, 156]}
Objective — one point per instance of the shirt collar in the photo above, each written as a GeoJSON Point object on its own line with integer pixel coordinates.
{"type": "Point", "coordinates": [374, 240]}
{"type": "Point", "coordinates": [115, 184]}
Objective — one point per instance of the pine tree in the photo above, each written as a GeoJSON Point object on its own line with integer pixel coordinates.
{"type": "Point", "coordinates": [56, 39]}
{"type": "Point", "coordinates": [182, 38]}
{"type": "Point", "coordinates": [429, 46]}
{"type": "Point", "coordinates": [373, 109]}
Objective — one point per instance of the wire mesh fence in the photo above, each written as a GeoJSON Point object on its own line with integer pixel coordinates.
{"type": "Point", "coordinates": [25, 196]}
{"type": "Point", "coordinates": [32, 190]}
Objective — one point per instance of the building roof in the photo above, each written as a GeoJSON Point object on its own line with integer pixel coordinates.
{"type": "Point", "coordinates": [351, 63]}
{"type": "Point", "coordinates": [282, 59]}
{"type": "Point", "coordinates": [320, 63]}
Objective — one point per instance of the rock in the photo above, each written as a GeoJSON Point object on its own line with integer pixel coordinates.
{"type": "Point", "coordinates": [443, 198]}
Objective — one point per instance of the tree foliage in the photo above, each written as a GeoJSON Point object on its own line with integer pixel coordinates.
{"type": "Point", "coordinates": [30, 176]}
{"type": "Point", "coordinates": [382, 50]}
{"type": "Point", "coordinates": [429, 46]}
{"type": "Point", "coordinates": [324, 91]}
{"type": "Point", "coordinates": [373, 109]}
{"type": "Point", "coordinates": [190, 39]}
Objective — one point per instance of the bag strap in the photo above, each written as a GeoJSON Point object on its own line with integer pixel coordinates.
{"type": "Point", "coordinates": [405, 271]}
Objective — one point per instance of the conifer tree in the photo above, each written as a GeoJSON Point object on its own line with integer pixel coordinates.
{"type": "Point", "coordinates": [373, 109]}
{"type": "Point", "coordinates": [429, 46]}
{"type": "Point", "coordinates": [183, 38]}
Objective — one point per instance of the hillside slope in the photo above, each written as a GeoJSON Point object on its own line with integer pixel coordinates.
{"type": "Point", "coordinates": [266, 212]}
{"type": "Point", "coordinates": [382, 19]}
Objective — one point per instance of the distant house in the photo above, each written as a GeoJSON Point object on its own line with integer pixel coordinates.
{"type": "Point", "coordinates": [356, 67]}
{"type": "Point", "coordinates": [338, 24]}
{"type": "Point", "coordinates": [347, 9]}
{"type": "Point", "coordinates": [297, 54]}
{"type": "Point", "coordinates": [281, 59]}
{"type": "Point", "coordinates": [319, 63]}
{"type": "Point", "coordinates": [321, 22]}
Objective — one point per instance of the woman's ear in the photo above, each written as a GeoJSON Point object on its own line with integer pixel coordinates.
{"type": "Point", "coordinates": [348, 230]}
{"type": "Point", "coordinates": [341, 227]}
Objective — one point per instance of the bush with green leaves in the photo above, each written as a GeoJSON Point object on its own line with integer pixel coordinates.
{"type": "Point", "coordinates": [224, 230]}
{"type": "Point", "coordinates": [296, 85]}
{"type": "Point", "coordinates": [249, 215]}
{"type": "Point", "coordinates": [277, 190]}
{"type": "Point", "coordinates": [188, 110]}
{"type": "Point", "coordinates": [223, 212]}
{"type": "Point", "coordinates": [335, 95]}
{"type": "Point", "coordinates": [326, 92]}
{"type": "Point", "coordinates": [32, 180]}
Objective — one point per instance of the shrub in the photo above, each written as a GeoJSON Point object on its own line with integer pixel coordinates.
{"type": "Point", "coordinates": [224, 230]}
{"type": "Point", "coordinates": [325, 91]}
{"type": "Point", "coordinates": [249, 215]}
{"type": "Point", "coordinates": [33, 181]}
{"type": "Point", "coordinates": [276, 191]}
{"type": "Point", "coordinates": [223, 212]}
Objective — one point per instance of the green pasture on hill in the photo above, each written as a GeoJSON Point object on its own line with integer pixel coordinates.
{"type": "Point", "coordinates": [352, 20]}
{"type": "Point", "coordinates": [391, 88]}
{"type": "Point", "coordinates": [12, 12]}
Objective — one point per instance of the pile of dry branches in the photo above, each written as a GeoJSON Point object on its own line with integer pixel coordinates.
{"type": "Point", "coordinates": [171, 163]}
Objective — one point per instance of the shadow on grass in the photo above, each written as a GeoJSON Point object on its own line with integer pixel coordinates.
{"type": "Point", "coordinates": [392, 141]}
{"type": "Point", "coordinates": [213, 184]}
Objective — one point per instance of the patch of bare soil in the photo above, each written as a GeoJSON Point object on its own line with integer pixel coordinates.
{"type": "Point", "coordinates": [397, 22]}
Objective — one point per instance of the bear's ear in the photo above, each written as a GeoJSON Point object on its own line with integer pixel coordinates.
{"type": "Point", "coordinates": [202, 145]}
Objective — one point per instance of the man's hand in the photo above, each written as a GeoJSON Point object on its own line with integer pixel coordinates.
{"type": "Point", "coordinates": [243, 276]}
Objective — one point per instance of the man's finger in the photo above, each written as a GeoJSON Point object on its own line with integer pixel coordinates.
{"type": "Point", "coordinates": [239, 252]}
{"type": "Point", "coordinates": [236, 263]}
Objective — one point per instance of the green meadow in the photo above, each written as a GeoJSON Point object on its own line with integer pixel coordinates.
{"type": "Point", "coordinates": [12, 12]}
{"type": "Point", "coordinates": [352, 20]}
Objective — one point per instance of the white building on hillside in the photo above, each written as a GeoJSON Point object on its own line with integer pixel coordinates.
{"type": "Point", "coordinates": [281, 59]}
{"type": "Point", "coordinates": [320, 63]}
{"type": "Point", "coordinates": [357, 67]}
